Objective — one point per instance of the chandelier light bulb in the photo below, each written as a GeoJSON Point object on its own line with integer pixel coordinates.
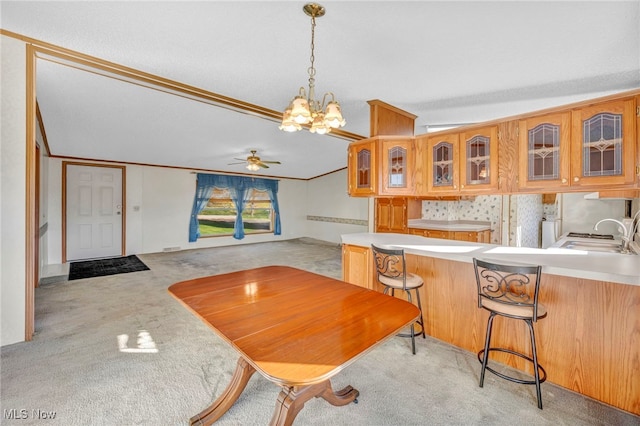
{"type": "Point", "coordinates": [288, 124]}
{"type": "Point", "coordinates": [333, 115]}
{"type": "Point", "coordinates": [300, 112]}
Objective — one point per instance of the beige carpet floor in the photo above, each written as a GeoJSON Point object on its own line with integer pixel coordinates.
{"type": "Point", "coordinates": [119, 350]}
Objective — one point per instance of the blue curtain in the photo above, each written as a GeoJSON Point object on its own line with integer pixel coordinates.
{"type": "Point", "coordinates": [237, 196]}
{"type": "Point", "coordinates": [238, 187]}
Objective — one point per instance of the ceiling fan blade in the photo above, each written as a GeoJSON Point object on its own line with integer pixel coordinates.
{"type": "Point", "coordinates": [231, 164]}
{"type": "Point", "coordinates": [240, 159]}
{"type": "Point", "coordinates": [264, 166]}
{"type": "Point", "coordinates": [271, 162]}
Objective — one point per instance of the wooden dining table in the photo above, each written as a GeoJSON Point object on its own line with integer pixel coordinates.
{"type": "Point", "coordinates": [296, 328]}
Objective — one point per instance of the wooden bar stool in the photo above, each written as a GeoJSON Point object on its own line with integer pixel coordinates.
{"type": "Point", "coordinates": [510, 291]}
{"type": "Point", "coordinates": [392, 273]}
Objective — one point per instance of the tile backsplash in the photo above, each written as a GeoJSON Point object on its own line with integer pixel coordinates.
{"type": "Point", "coordinates": [483, 208]}
{"type": "Point", "coordinates": [525, 213]}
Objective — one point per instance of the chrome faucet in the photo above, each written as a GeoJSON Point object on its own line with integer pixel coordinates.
{"type": "Point", "coordinates": [627, 234]}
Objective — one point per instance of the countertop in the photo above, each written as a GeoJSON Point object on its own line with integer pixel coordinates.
{"type": "Point", "coordinates": [618, 268]}
{"type": "Point", "coordinates": [449, 225]}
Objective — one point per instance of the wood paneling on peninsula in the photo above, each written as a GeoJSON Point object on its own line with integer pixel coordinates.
{"type": "Point", "coordinates": [589, 342]}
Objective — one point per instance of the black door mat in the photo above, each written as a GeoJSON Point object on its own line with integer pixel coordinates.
{"type": "Point", "coordinates": [103, 267]}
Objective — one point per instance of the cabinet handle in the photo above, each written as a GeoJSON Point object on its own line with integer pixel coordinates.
{"type": "Point", "coordinates": [576, 178]}
{"type": "Point", "coordinates": [564, 180]}
{"type": "Point", "coordinates": [461, 186]}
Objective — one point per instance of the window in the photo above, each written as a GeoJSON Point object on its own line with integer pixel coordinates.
{"type": "Point", "coordinates": [248, 202]}
{"type": "Point", "coordinates": [219, 215]}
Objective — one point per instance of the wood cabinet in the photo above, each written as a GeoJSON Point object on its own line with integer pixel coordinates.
{"type": "Point", "coordinates": [473, 236]}
{"type": "Point", "coordinates": [385, 119]}
{"type": "Point", "coordinates": [598, 328]}
{"type": "Point", "coordinates": [442, 163]}
{"type": "Point", "coordinates": [391, 215]}
{"type": "Point", "coordinates": [362, 169]}
{"type": "Point", "coordinates": [603, 146]}
{"type": "Point", "coordinates": [464, 162]}
{"type": "Point", "coordinates": [357, 266]}
{"type": "Point", "coordinates": [430, 233]}
{"type": "Point", "coordinates": [544, 151]}
{"type": "Point", "coordinates": [381, 166]}
{"type": "Point", "coordinates": [586, 146]}
{"type": "Point", "coordinates": [396, 166]}
{"type": "Point", "coordinates": [478, 166]}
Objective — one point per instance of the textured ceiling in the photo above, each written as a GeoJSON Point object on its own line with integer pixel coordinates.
{"type": "Point", "coordinates": [446, 62]}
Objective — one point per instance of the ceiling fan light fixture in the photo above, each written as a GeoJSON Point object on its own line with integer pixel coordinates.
{"type": "Point", "coordinates": [304, 108]}
{"type": "Point", "coordinates": [253, 167]}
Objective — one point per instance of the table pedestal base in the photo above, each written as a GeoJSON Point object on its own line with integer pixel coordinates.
{"type": "Point", "coordinates": [290, 400]}
{"type": "Point", "coordinates": [240, 378]}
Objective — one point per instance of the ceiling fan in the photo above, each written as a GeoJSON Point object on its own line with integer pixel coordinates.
{"type": "Point", "coordinates": [254, 162]}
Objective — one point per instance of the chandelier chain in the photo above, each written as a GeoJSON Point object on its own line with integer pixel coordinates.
{"type": "Point", "coordinates": [312, 70]}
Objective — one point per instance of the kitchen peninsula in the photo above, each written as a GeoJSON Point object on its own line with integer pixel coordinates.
{"type": "Point", "coordinates": [590, 340]}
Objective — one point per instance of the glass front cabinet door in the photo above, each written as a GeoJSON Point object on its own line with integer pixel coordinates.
{"type": "Point", "coordinates": [442, 163]}
{"type": "Point", "coordinates": [479, 160]}
{"type": "Point", "coordinates": [362, 176]}
{"type": "Point", "coordinates": [397, 162]}
{"type": "Point", "coordinates": [604, 145]}
{"type": "Point", "coordinates": [544, 151]}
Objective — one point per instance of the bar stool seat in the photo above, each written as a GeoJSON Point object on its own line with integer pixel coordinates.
{"type": "Point", "coordinates": [392, 273]}
{"type": "Point", "coordinates": [510, 291]}
{"type": "Point", "coordinates": [413, 281]}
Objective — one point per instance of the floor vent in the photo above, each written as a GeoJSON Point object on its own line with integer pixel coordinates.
{"type": "Point", "coordinates": [171, 249]}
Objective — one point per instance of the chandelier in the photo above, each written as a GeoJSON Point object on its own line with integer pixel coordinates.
{"type": "Point", "coordinates": [305, 109]}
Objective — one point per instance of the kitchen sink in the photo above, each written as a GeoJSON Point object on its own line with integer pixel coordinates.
{"type": "Point", "coordinates": [599, 246]}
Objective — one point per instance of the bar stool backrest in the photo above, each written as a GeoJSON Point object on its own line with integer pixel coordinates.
{"type": "Point", "coordinates": [502, 287]}
{"type": "Point", "coordinates": [390, 263]}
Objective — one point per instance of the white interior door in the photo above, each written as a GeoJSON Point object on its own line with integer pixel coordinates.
{"type": "Point", "coordinates": [93, 212]}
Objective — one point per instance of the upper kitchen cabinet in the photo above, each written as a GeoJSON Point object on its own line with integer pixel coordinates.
{"type": "Point", "coordinates": [442, 163]}
{"type": "Point", "coordinates": [479, 160]}
{"type": "Point", "coordinates": [381, 166]}
{"type": "Point", "coordinates": [604, 145]}
{"type": "Point", "coordinates": [544, 151]}
{"type": "Point", "coordinates": [362, 168]}
{"type": "Point", "coordinates": [396, 166]}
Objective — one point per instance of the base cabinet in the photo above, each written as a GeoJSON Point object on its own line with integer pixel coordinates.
{"type": "Point", "coordinates": [391, 215]}
{"type": "Point", "coordinates": [588, 343]}
{"type": "Point", "coordinates": [473, 236]}
{"type": "Point", "coordinates": [356, 265]}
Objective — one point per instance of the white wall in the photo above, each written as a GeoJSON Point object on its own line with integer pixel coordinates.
{"type": "Point", "coordinates": [43, 246]}
{"type": "Point", "coordinates": [579, 215]}
{"type": "Point", "coordinates": [12, 190]}
{"type": "Point", "coordinates": [159, 200]}
{"type": "Point", "coordinates": [331, 212]}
